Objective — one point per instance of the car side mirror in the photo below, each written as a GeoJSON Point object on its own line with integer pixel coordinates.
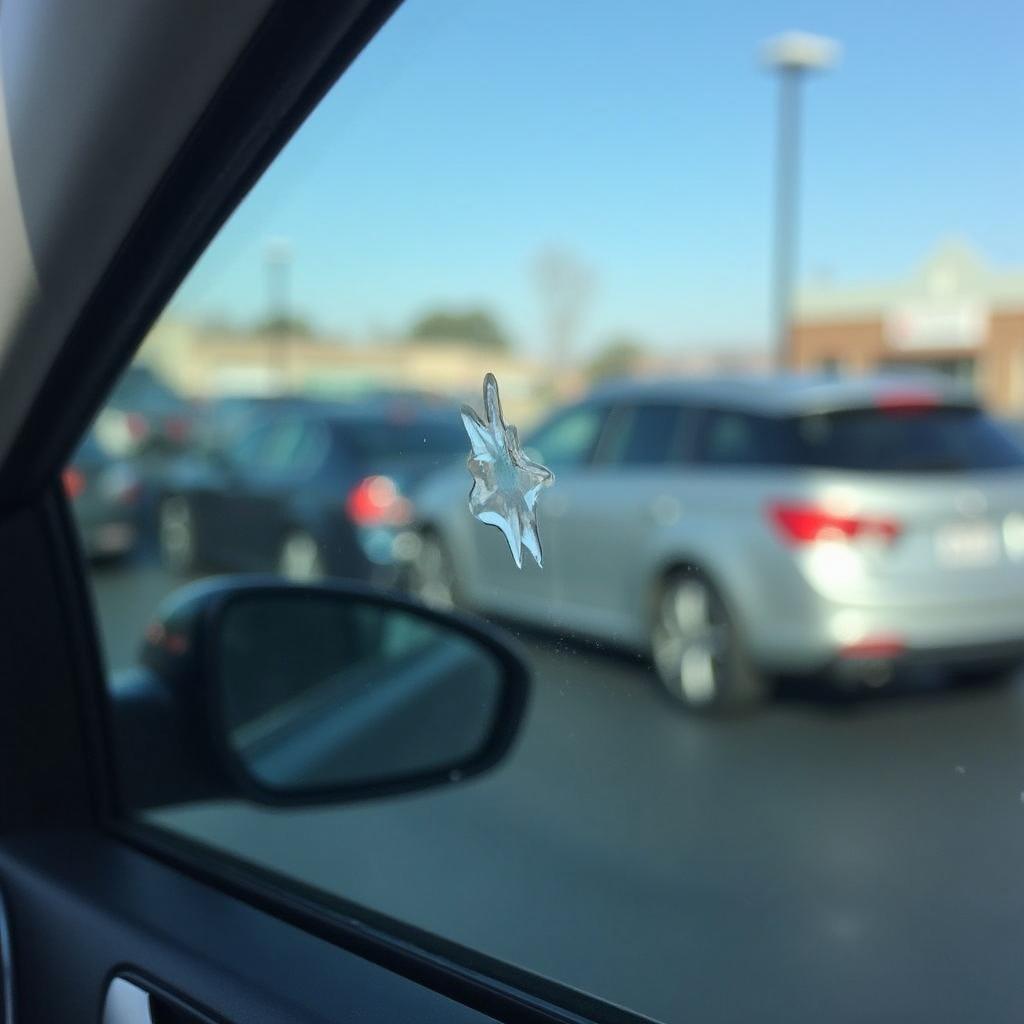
{"type": "Point", "coordinates": [289, 695]}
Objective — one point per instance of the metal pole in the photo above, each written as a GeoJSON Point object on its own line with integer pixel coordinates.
{"type": "Point", "coordinates": [787, 188]}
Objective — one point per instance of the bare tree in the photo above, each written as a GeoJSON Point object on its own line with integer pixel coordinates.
{"type": "Point", "coordinates": [565, 284]}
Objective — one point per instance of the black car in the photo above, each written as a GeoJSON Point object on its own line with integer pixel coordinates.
{"type": "Point", "coordinates": [144, 416]}
{"type": "Point", "coordinates": [308, 489]}
{"type": "Point", "coordinates": [104, 492]}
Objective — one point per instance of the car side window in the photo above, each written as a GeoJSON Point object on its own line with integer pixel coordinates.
{"type": "Point", "coordinates": [573, 202]}
{"type": "Point", "coordinates": [729, 438]}
{"type": "Point", "coordinates": [251, 452]}
{"type": "Point", "coordinates": [646, 435]}
{"type": "Point", "coordinates": [570, 438]}
{"type": "Point", "coordinates": [309, 451]}
{"type": "Point", "coordinates": [294, 449]}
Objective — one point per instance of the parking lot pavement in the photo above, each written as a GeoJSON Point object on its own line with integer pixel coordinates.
{"type": "Point", "coordinates": [812, 862]}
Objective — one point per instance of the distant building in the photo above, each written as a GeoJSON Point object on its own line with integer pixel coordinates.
{"type": "Point", "coordinates": [954, 314]}
{"type": "Point", "coordinates": [704, 362]}
{"type": "Point", "coordinates": [202, 364]}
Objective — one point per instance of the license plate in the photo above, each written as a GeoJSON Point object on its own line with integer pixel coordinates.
{"type": "Point", "coordinates": [965, 545]}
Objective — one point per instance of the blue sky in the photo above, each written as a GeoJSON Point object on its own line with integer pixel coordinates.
{"type": "Point", "coordinates": [473, 133]}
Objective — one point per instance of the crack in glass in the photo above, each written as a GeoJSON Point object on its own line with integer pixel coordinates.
{"type": "Point", "coordinates": [506, 483]}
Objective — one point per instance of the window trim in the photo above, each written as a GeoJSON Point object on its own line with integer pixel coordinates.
{"type": "Point", "coordinates": [462, 973]}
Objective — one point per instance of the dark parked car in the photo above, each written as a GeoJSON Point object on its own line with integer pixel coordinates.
{"type": "Point", "coordinates": [104, 492]}
{"type": "Point", "coordinates": [308, 489]}
{"type": "Point", "coordinates": [144, 416]}
{"type": "Point", "coordinates": [222, 421]}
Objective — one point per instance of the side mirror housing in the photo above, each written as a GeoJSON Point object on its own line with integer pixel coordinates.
{"type": "Point", "coordinates": [289, 695]}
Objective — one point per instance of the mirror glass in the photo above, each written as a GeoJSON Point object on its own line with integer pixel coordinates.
{"type": "Point", "coordinates": [325, 690]}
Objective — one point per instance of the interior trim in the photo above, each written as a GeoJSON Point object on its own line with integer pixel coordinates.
{"type": "Point", "coordinates": [6, 965]}
{"type": "Point", "coordinates": [476, 980]}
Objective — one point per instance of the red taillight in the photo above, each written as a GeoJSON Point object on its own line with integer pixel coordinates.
{"type": "Point", "coordinates": [805, 524]}
{"type": "Point", "coordinates": [881, 646]}
{"type": "Point", "coordinates": [73, 480]}
{"type": "Point", "coordinates": [904, 401]}
{"type": "Point", "coordinates": [376, 501]}
{"type": "Point", "coordinates": [138, 426]}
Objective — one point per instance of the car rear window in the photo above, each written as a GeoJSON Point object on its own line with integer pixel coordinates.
{"type": "Point", "coordinates": [373, 440]}
{"type": "Point", "coordinates": [905, 441]}
{"type": "Point", "coordinates": [944, 439]}
{"type": "Point", "coordinates": [141, 389]}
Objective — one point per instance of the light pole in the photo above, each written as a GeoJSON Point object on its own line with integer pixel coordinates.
{"type": "Point", "coordinates": [791, 55]}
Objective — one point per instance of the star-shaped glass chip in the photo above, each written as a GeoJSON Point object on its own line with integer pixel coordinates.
{"type": "Point", "coordinates": [506, 484]}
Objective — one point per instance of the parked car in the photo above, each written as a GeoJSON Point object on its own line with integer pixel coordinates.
{"type": "Point", "coordinates": [221, 421]}
{"type": "Point", "coordinates": [144, 416]}
{"type": "Point", "coordinates": [739, 529]}
{"type": "Point", "coordinates": [307, 488]}
{"type": "Point", "coordinates": [104, 492]}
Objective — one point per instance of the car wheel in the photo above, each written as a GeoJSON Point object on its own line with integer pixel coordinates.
{"type": "Point", "coordinates": [697, 651]}
{"type": "Point", "coordinates": [176, 536]}
{"type": "Point", "coordinates": [430, 576]}
{"type": "Point", "coordinates": [300, 559]}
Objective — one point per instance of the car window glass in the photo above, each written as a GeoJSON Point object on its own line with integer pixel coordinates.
{"type": "Point", "coordinates": [738, 439]}
{"type": "Point", "coordinates": [770, 766]}
{"type": "Point", "coordinates": [253, 449]}
{"type": "Point", "coordinates": [903, 441]}
{"type": "Point", "coordinates": [569, 439]}
{"type": "Point", "coordinates": [310, 450]}
{"type": "Point", "coordinates": [283, 446]}
{"type": "Point", "coordinates": [427, 438]}
{"type": "Point", "coordinates": [644, 435]}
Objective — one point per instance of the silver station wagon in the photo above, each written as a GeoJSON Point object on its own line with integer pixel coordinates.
{"type": "Point", "coordinates": [739, 529]}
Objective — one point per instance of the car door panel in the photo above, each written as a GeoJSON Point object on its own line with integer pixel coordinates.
{"type": "Point", "coordinates": [565, 444]}
{"type": "Point", "coordinates": [637, 485]}
{"type": "Point", "coordinates": [73, 919]}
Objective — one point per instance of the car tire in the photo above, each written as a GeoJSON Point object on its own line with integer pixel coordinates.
{"type": "Point", "coordinates": [300, 558]}
{"type": "Point", "coordinates": [177, 536]}
{"type": "Point", "coordinates": [697, 649]}
{"type": "Point", "coordinates": [430, 574]}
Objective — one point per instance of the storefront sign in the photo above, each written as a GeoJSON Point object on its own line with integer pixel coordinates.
{"type": "Point", "coordinates": [933, 325]}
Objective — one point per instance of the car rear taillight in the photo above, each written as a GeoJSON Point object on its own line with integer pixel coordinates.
{"type": "Point", "coordinates": [875, 646]}
{"type": "Point", "coordinates": [137, 426]}
{"type": "Point", "coordinates": [376, 501]}
{"type": "Point", "coordinates": [907, 401]}
{"type": "Point", "coordinates": [806, 524]}
{"type": "Point", "coordinates": [73, 481]}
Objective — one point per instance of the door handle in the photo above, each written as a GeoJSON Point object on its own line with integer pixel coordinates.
{"type": "Point", "coordinates": [130, 1003]}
